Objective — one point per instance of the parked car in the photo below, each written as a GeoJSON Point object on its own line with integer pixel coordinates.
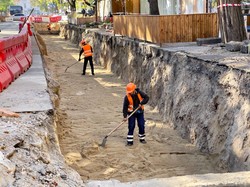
{"type": "Point", "coordinates": [18, 17]}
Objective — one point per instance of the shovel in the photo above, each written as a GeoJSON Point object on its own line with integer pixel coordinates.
{"type": "Point", "coordinates": [106, 137]}
{"type": "Point", "coordinates": [70, 66]}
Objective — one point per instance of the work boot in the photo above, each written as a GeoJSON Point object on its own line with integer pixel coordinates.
{"type": "Point", "coordinates": [129, 143]}
{"type": "Point", "coordinates": [143, 141]}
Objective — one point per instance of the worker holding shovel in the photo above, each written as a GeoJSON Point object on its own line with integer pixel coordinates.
{"type": "Point", "coordinates": [88, 52]}
{"type": "Point", "coordinates": [134, 100]}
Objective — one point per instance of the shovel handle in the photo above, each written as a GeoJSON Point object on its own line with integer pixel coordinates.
{"type": "Point", "coordinates": [123, 121]}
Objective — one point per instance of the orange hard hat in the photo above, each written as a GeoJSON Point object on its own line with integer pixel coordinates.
{"type": "Point", "coordinates": [130, 87]}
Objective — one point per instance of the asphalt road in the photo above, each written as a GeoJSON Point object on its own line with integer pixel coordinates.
{"type": "Point", "coordinates": [8, 28]}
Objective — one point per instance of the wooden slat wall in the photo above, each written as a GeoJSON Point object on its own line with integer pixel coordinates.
{"type": "Point", "coordinates": [117, 6]}
{"type": "Point", "coordinates": [132, 6]}
{"type": "Point", "coordinates": [167, 29]}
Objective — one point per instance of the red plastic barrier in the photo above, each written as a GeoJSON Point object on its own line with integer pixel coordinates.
{"type": "Point", "coordinates": [13, 67]}
{"type": "Point", "coordinates": [22, 19]}
{"type": "Point", "coordinates": [2, 44]}
{"type": "Point", "coordinates": [20, 25]}
{"type": "Point", "coordinates": [5, 77]}
{"type": "Point", "coordinates": [8, 42]}
{"type": "Point", "coordinates": [59, 18]}
{"type": "Point", "coordinates": [55, 18]}
{"type": "Point", "coordinates": [21, 58]}
{"type": "Point", "coordinates": [29, 30]}
{"type": "Point", "coordinates": [28, 54]}
{"type": "Point", "coordinates": [37, 19]}
{"type": "Point", "coordinates": [15, 56]}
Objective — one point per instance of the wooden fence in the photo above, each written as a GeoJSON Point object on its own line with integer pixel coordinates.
{"type": "Point", "coordinates": [167, 29]}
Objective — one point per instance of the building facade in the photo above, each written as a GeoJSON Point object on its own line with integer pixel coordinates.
{"type": "Point", "coordinates": [166, 7]}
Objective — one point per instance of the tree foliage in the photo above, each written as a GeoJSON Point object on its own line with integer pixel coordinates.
{"type": "Point", "coordinates": [43, 4]}
{"type": "Point", "coordinates": [72, 4]}
{"type": "Point", "coordinates": [4, 5]}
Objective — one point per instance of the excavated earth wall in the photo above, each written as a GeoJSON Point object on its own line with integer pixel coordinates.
{"type": "Point", "coordinates": [207, 100]}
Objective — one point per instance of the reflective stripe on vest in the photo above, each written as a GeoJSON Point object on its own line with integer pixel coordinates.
{"type": "Point", "coordinates": [130, 100]}
{"type": "Point", "coordinates": [87, 50]}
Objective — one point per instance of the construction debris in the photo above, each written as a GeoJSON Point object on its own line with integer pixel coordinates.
{"type": "Point", "coordinates": [7, 113]}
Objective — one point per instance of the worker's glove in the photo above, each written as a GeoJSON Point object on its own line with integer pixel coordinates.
{"type": "Point", "coordinates": [125, 119]}
{"type": "Point", "coordinates": [79, 59]}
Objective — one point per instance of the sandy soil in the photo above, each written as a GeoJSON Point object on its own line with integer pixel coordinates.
{"type": "Point", "coordinates": [91, 106]}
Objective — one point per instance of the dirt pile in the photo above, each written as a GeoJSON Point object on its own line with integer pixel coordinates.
{"type": "Point", "coordinates": [29, 153]}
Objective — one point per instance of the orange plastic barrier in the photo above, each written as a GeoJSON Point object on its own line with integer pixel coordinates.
{"type": "Point", "coordinates": [37, 19]}
{"type": "Point", "coordinates": [15, 57]}
{"type": "Point", "coordinates": [29, 29]}
{"type": "Point", "coordinates": [5, 77]}
{"type": "Point", "coordinates": [21, 58]}
{"type": "Point", "coordinates": [55, 18]}
{"type": "Point", "coordinates": [45, 19]}
{"type": "Point", "coordinates": [27, 52]}
{"type": "Point", "coordinates": [12, 64]}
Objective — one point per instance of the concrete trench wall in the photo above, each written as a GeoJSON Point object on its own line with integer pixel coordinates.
{"type": "Point", "coordinates": [206, 102]}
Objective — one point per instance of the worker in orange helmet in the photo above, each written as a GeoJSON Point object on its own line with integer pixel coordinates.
{"type": "Point", "coordinates": [134, 98]}
{"type": "Point", "coordinates": [81, 42]}
{"type": "Point", "coordinates": [88, 52]}
{"type": "Point", "coordinates": [49, 27]}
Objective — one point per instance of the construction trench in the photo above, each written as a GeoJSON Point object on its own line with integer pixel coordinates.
{"type": "Point", "coordinates": [197, 119]}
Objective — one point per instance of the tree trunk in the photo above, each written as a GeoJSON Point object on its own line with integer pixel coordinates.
{"type": "Point", "coordinates": [72, 4]}
{"type": "Point", "coordinates": [153, 7]}
{"type": "Point", "coordinates": [96, 11]}
{"type": "Point", "coordinates": [231, 21]}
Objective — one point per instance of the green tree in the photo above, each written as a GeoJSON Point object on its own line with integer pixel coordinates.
{"type": "Point", "coordinates": [72, 4]}
{"type": "Point", "coordinates": [42, 4]}
{"type": "Point", "coordinates": [4, 5]}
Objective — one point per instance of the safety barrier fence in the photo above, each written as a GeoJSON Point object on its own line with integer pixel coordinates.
{"type": "Point", "coordinates": [45, 19]}
{"type": "Point", "coordinates": [37, 19]}
{"type": "Point", "coordinates": [15, 56]}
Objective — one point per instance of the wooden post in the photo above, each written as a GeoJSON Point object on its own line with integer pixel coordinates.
{"type": "Point", "coordinates": [96, 10]}
{"type": "Point", "coordinates": [231, 20]}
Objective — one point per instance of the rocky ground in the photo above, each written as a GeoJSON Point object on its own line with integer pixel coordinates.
{"type": "Point", "coordinates": [29, 153]}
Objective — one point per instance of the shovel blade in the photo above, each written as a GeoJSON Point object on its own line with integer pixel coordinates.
{"type": "Point", "coordinates": [104, 141]}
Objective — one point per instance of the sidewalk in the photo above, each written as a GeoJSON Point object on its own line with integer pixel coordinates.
{"type": "Point", "coordinates": [241, 179]}
{"type": "Point", "coordinates": [28, 93]}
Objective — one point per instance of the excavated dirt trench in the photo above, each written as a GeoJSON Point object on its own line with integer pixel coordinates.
{"type": "Point", "coordinates": [90, 107]}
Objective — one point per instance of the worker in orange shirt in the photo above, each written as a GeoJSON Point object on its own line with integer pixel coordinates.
{"type": "Point", "coordinates": [134, 100]}
{"type": "Point", "coordinates": [88, 53]}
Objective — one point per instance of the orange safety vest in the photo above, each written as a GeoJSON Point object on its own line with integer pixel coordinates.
{"type": "Point", "coordinates": [87, 50]}
{"type": "Point", "coordinates": [130, 100]}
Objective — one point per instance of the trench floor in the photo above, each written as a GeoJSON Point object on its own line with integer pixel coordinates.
{"type": "Point", "coordinates": [91, 106]}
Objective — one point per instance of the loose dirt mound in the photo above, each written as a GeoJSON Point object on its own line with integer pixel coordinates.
{"type": "Point", "coordinates": [90, 107]}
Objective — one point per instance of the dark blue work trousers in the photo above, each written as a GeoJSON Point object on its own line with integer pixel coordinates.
{"type": "Point", "coordinates": [131, 126]}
